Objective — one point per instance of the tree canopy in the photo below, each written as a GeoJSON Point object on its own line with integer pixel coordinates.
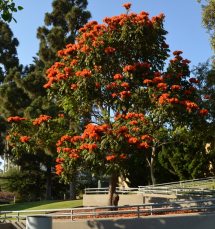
{"type": "Point", "coordinates": [118, 67]}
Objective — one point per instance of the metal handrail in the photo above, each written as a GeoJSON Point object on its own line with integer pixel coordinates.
{"type": "Point", "coordinates": [155, 190]}
{"type": "Point", "coordinates": [140, 208]}
{"type": "Point", "coordinates": [184, 182]}
{"type": "Point", "coordinates": [168, 187]}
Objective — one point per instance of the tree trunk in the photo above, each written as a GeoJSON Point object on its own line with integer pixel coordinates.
{"type": "Point", "coordinates": [72, 187]}
{"type": "Point", "coordinates": [112, 198]}
{"type": "Point", "coordinates": [152, 166]}
{"type": "Point", "coordinates": [48, 183]}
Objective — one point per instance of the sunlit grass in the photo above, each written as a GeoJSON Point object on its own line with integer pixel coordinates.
{"type": "Point", "coordinates": [39, 205]}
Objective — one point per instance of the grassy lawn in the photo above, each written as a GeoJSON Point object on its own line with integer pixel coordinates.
{"type": "Point", "coordinates": [40, 205]}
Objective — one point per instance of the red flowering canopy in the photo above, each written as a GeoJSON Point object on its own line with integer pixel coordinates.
{"type": "Point", "coordinates": [118, 67]}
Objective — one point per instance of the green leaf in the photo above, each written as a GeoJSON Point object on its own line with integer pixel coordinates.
{"type": "Point", "coordinates": [7, 17]}
{"type": "Point", "coordinates": [20, 7]}
{"type": "Point", "coordinates": [14, 19]}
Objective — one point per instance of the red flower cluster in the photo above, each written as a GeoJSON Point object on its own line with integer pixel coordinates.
{"type": "Point", "coordinates": [143, 145]}
{"type": "Point", "coordinates": [74, 62]}
{"type": "Point", "coordinates": [97, 85]}
{"type": "Point", "coordinates": [157, 80]}
{"type": "Point", "coordinates": [162, 86]}
{"type": "Point", "coordinates": [133, 140]}
{"type": "Point", "coordinates": [162, 99]}
{"type": "Point", "coordinates": [110, 50]}
{"type": "Point", "coordinates": [193, 80]}
{"type": "Point", "coordinates": [15, 119]}
{"type": "Point", "coordinates": [59, 169]}
{"type": "Point", "coordinates": [74, 86]}
{"type": "Point", "coordinates": [127, 6]}
{"type": "Point", "coordinates": [118, 77]}
{"type": "Point", "coordinates": [91, 147]}
{"type": "Point", "coordinates": [189, 105]}
{"type": "Point", "coordinates": [147, 81]}
{"type": "Point", "coordinates": [84, 73]}
{"type": "Point", "coordinates": [134, 122]}
{"type": "Point", "coordinates": [123, 156]}
{"type": "Point", "coordinates": [68, 71]}
{"type": "Point", "coordinates": [122, 129]}
{"type": "Point", "coordinates": [177, 53]}
{"type": "Point", "coordinates": [126, 85]}
{"type": "Point", "coordinates": [129, 68]}
{"type": "Point", "coordinates": [24, 139]}
{"type": "Point", "coordinates": [187, 92]}
{"type": "Point", "coordinates": [42, 118]}
{"type": "Point", "coordinates": [112, 157]}
{"type": "Point", "coordinates": [147, 138]}
{"type": "Point", "coordinates": [176, 87]}
{"type": "Point", "coordinates": [97, 68]}
{"type": "Point", "coordinates": [207, 97]}
{"type": "Point", "coordinates": [125, 94]}
{"type": "Point", "coordinates": [60, 160]}
{"type": "Point", "coordinates": [203, 112]}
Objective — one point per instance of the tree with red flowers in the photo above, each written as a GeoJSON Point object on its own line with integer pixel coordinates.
{"type": "Point", "coordinates": [38, 137]}
{"type": "Point", "coordinates": [118, 67]}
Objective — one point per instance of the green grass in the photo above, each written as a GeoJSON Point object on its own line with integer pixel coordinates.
{"type": "Point", "coordinates": [41, 205]}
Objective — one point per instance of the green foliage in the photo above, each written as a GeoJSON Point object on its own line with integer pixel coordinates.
{"type": "Point", "coordinates": [28, 183]}
{"type": "Point", "coordinates": [7, 8]}
{"type": "Point", "coordinates": [208, 20]}
{"type": "Point", "coordinates": [189, 158]}
{"type": "Point", "coordinates": [13, 99]}
{"type": "Point", "coordinates": [205, 73]}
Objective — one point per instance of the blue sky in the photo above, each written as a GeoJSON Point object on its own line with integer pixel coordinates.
{"type": "Point", "coordinates": [183, 23]}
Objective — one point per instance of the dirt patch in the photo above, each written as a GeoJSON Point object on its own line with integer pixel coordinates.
{"type": "Point", "coordinates": [119, 214]}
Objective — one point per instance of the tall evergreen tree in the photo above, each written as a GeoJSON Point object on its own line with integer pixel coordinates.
{"type": "Point", "coordinates": [67, 17]}
{"type": "Point", "coordinates": [13, 99]}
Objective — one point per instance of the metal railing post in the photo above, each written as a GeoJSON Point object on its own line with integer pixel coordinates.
{"type": "Point", "coordinates": [138, 212]}
{"type": "Point", "coordinates": [71, 215]}
{"type": "Point", "coordinates": [151, 210]}
{"type": "Point", "coordinates": [94, 213]}
{"type": "Point", "coordinates": [18, 216]}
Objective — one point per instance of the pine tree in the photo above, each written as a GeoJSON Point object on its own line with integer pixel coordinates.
{"type": "Point", "coordinates": [67, 17]}
{"type": "Point", "coordinates": [13, 99]}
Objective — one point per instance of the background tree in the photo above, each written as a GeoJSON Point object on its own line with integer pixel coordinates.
{"type": "Point", "coordinates": [13, 99]}
{"type": "Point", "coordinates": [65, 19]}
{"type": "Point", "coordinates": [61, 26]}
{"type": "Point", "coordinates": [29, 137]}
{"type": "Point", "coordinates": [191, 158]}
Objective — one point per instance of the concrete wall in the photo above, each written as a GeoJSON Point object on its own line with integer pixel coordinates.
{"type": "Point", "coordinates": [102, 199]}
{"type": "Point", "coordinates": [186, 221]}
